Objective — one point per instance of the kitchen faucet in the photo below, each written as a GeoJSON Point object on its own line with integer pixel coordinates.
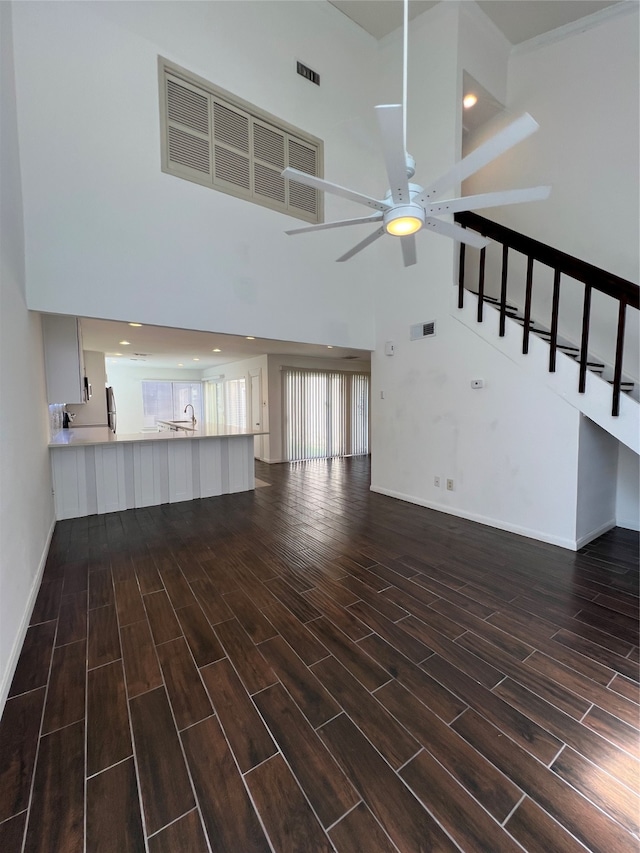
{"type": "Point", "coordinates": [193, 414]}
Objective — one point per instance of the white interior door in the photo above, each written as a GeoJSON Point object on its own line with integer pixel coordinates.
{"type": "Point", "coordinates": [256, 409]}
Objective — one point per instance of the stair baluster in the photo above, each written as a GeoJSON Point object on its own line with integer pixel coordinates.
{"type": "Point", "coordinates": [625, 292]}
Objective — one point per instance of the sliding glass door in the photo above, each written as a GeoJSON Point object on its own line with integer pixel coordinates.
{"type": "Point", "coordinates": [326, 413]}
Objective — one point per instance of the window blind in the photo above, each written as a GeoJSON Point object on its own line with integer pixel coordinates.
{"type": "Point", "coordinates": [235, 403]}
{"type": "Point", "coordinates": [326, 413]}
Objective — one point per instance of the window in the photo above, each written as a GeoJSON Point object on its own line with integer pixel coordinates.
{"type": "Point", "coordinates": [214, 138]}
{"type": "Point", "coordinates": [214, 401]}
{"type": "Point", "coordinates": [226, 402]}
{"type": "Point", "coordinates": [326, 413]}
{"type": "Point", "coordinates": [235, 403]}
{"type": "Point", "coordinates": [166, 401]}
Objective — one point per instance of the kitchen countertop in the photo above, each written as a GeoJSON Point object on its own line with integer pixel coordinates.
{"type": "Point", "coordinates": [102, 435]}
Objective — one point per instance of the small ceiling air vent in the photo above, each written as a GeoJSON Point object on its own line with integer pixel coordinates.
{"type": "Point", "coordinates": [422, 330]}
{"type": "Point", "coordinates": [350, 357]}
{"type": "Point", "coordinates": [142, 354]}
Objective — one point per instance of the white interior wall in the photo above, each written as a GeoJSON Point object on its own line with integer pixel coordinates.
{"type": "Point", "coordinates": [584, 92]}
{"type": "Point", "coordinates": [127, 388]}
{"type": "Point", "coordinates": [274, 442]}
{"type": "Point", "coordinates": [597, 479]}
{"type": "Point", "coordinates": [109, 235]}
{"type": "Point", "coordinates": [26, 502]}
{"type": "Point", "coordinates": [628, 489]}
{"type": "Point", "coordinates": [510, 449]}
{"type": "Point", "coordinates": [484, 51]}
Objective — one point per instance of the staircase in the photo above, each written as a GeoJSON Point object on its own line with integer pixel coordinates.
{"type": "Point", "coordinates": [625, 293]}
{"type": "Point", "coordinates": [563, 345]}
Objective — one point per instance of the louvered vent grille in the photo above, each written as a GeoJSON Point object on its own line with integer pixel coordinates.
{"type": "Point", "coordinates": [213, 138]}
{"type": "Point", "coordinates": [268, 145]}
{"type": "Point", "coordinates": [230, 127]}
{"type": "Point", "coordinates": [269, 183]}
{"type": "Point", "coordinates": [303, 198]}
{"type": "Point", "coordinates": [422, 330]}
{"type": "Point", "coordinates": [302, 157]}
{"type": "Point", "coordinates": [188, 150]}
{"type": "Point", "coordinates": [232, 168]}
{"type": "Point", "coordinates": [187, 107]}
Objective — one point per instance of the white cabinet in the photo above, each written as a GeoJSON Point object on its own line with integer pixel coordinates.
{"type": "Point", "coordinates": [94, 411]}
{"type": "Point", "coordinates": [63, 359]}
{"type": "Point", "coordinates": [112, 475]}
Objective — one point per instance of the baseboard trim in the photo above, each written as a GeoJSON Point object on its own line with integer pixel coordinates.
{"type": "Point", "coordinates": [593, 534]}
{"type": "Point", "coordinates": [628, 523]}
{"type": "Point", "coordinates": [540, 535]}
{"type": "Point", "coordinates": [7, 677]}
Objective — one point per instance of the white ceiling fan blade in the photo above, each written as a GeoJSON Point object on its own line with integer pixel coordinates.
{"type": "Point", "coordinates": [462, 235]}
{"type": "Point", "coordinates": [360, 220]}
{"type": "Point", "coordinates": [485, 153]}
{"type": "Point", "coordinates": [336, 189]}
{"type": "Point", "coordinates": [408, 244]}
{"type": "Point", "coordinates": [390, 122]}
{"type": "Point", "coordinates": [362, 244]}
{"type": "Point", "coordinates": [496, 199]}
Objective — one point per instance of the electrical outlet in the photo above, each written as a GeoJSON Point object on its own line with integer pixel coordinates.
{"type": "Point", "coordinates": [449, 485]}
{"type": "Point", "coordinates": [436, 482]}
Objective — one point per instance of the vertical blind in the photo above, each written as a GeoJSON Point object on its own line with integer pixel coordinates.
{"type": "Point", "coordinates": [235, 403]}
{"type": "Point", "coordinates": [326, 413]}
{"type": "Point", "coordinates": [226, 402]}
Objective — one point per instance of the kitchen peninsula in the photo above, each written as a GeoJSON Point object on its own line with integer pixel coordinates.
{"type": "Point", "coordinates": [96, 471]}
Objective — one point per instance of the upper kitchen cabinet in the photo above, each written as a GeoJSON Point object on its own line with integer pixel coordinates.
{"type": "Point", "coordinates": [63, 358]}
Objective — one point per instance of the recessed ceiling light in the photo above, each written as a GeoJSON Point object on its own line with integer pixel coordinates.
{"type": "Point", "coordinates": [216, 350]}
{"type": "Point", "coordinates": [469, 100]}
{"type": "Point", "coordinates": [329, 346]}
{"type": "Point", "coordinates": [124, 343]}
{"type": "Point", "coordinates": [250, 338]}
{"type": "Point", "coordinates": [196, 359]}
{"type": "Point", "coordinates": [135, 325]}
{"type": "Point", "coordinates": [118, 353]}
{"type": "Point", "coordinates": [180, 364]}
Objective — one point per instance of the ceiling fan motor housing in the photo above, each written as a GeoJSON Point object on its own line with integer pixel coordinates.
{"type": "Point", "coordinates": [403, 219]}
{"type": "Point", "coordinates": [410, 165]}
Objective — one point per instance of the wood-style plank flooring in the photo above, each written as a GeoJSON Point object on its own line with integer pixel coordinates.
{"type": "Point", "coordinates": [314, 667]}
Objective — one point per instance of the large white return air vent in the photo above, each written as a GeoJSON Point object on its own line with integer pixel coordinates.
{"type": "Point", "coordinates": [422, 330]}
{"type": "Point", "coordinates": [214, 138]}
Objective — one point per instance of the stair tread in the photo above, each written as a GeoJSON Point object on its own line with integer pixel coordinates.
{"type": "Point", "coordinates": [627, 386]}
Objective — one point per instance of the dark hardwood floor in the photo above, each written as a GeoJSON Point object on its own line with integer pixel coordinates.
{"type": "Point", "coordinates": [314, 667]}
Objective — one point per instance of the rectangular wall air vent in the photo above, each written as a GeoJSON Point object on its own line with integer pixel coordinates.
{"type": "Point", "coordinates": [422, 330]}
{"type": "Point", "coordinates": [307, 72]}
{"type": "Point", "coordinates": [215, 138]}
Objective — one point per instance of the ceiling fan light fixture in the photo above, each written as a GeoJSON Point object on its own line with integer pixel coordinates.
{"type": "Point", "coordinates": [403, 220]}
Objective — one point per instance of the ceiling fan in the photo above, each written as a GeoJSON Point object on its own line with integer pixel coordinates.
{"type": "Point", "coordinates": [408, 208]}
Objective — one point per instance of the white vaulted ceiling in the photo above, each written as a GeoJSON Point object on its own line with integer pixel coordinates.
{"type": "Point", "coordinates": [519, 20]}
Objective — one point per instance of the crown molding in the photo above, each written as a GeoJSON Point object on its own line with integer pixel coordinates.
{"type": "Point", "coordinates": [625, 7]}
